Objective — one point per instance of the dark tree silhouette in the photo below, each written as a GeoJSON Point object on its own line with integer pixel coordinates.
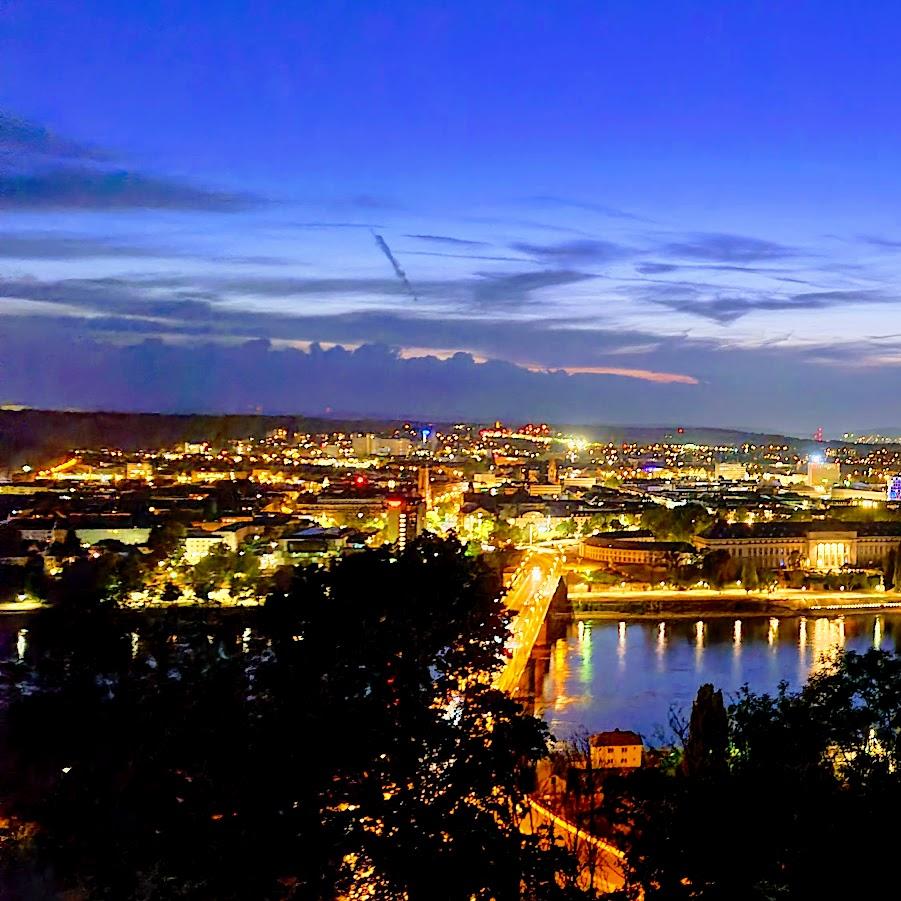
{"type": "Point", "coordinates": [343, 739]}
{"type": "Point", "coordinates": [784, 796]}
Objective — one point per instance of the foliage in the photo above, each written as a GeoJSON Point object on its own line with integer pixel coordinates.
{"type": "Point", "coordinates": [719, 568]}
{"type": "Point", "coordinates": [343, 739]}
{"type": "Point", "coordinates": [165, 539]}
{"type": "Point", "coordinates": [896, 577]}
{"type": "Point", "coordinates": [793, 800]}
{"type": "Point", "coordinates": [750, 580]}
{"type": "Point", "coordinates": [677, 523]}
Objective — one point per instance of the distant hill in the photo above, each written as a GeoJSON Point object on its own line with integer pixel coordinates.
{"type": "Point", "coordinates": [38, 436]}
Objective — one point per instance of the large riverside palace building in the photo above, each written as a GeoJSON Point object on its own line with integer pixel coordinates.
{"type": "Point", "coordinates": [824, 544]}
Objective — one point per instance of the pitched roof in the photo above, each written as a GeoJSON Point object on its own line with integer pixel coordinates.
{"type": "Point", "coordinates": [616, 738]}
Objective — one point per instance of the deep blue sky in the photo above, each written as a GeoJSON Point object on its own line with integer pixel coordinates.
{"type": "Point", "coordinates": [694, 209]}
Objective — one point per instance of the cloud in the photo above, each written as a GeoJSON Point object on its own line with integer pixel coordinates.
{"type": "Point", "coordinates": [482, 292]}
{"type": "Point", "coordinates": [53, 246]}
{"type": "Point", "coordinates": [453, 242]}
{"type": "Point", "coordinates": [652, 268]}
{"type": "Point", "coordinates": [524, 223]}
{"type": "Point", "coordinates": [367, 225]}
{"type": "Point", "coordinates": [779, 275]}
{"type": "Point", "coordinates": [579, 251]}
{"type": "Point", "coordinates": [99, 189]}
{"type": "Point", "coordinates": [725, 306]}
{"type": "Point", "coordinates": [19, 137]}
{"type": "Point", "coordinates": [45, 171]}
{"type": "Point", "coordinates": [156, 375]}
{"type": "Point", "coordinates": [398, 269]}
{"type": "Point", "coordinates": [726, 248]}
{"type": "Point", "coordinates": [742, 387]}
{"type": "Point", "coordinates": [370, 202]}
{"type": "Point", "coordinates": [468, 256]}
{"type": "Point", "coordinates": [549, 200]}
{"type": "Point", "coordinates": [497, 290]}
{"type": "Point", "coordinates": [648, 375]}
{"type": "Point", "coordinates": [885, 243]}
{"type": "Point", "coordinates": [161, 305]}
{"type": "Point", "coordinates": [47, 245]}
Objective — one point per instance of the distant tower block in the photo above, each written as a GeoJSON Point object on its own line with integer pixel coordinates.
{"type": "Point", "coordinates": [424, 486]}
{"type": "Point", "coordinates": [818, 434]}
{"type": "Point", "coordinates": [552, 471]}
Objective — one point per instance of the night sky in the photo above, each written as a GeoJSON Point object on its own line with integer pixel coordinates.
{"type": "Point", "coordinates": [621, 212]}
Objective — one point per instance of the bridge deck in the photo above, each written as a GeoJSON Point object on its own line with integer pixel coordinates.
{"type": "Point", "coordinates": [529, 598]}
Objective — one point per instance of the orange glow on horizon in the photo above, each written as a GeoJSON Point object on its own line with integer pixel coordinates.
{"type": "Point", "coordinates": [648, 375]}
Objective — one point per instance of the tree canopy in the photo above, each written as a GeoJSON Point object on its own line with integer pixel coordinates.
{"type": "Point", "coordinates": [784, 796]}
{"type": "Point", "coordinates": [342, 741]}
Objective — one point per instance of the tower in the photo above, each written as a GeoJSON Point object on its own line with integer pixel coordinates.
{"type": "Point", "coordinates": [404, 521]}
{"type": "Point", "coordinates": [424, 486]}
{"type": "Point", "coordinates": [552, 471]}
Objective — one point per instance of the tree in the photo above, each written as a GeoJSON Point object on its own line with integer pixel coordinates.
{"type": "Point", "coordinates": [718, 568]}
{"type": "Point", "coordinates": [598, 522]}
{"type": "Point", "coordinates": [69, 547]}
{"type": "Point", "coordinates": [896, 577]}
{"type": "Point", "coordinates": [708, 735]}
{"type": "Point", "coordinates": [343, 740]}
{"type": "Point", "coordinates": [888, 568]}
{"type": "Point", "coordinates": [768, 790]}
{"type": "Point", "coordinates": [750, 580]}
{"type": "Point", "coordinates": [165, 539]}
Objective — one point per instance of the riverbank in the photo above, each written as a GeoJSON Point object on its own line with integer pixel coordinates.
{"type": "Point", "coordinates": [654, 603]}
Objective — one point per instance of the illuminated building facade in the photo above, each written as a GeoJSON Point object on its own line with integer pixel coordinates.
{"type": "Point", "coordinates": [640, 551]}
{"type": "Point", "coordinates": [374, 446]}
{"type": "Point", "coordinates": [822, 473]}
{"type": "Point", "coordinates": [820, 545]}
{"type": "Point", "coordinates": [616, 750]}
{"type": "Point", "coordinates": [730, 472]}
{"type": "Point", "coordinates": [894, 488]}
{"type": "Point", "coordinates": [405, 520]}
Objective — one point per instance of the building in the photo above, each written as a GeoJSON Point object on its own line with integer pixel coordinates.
{"type": "Point", "coordinates": [822, 545]}
{"type": "Point", "coordinates": [315, 541]}
{"type": "Point", "coordinates": [375, 446]}
{"type": "Point", "coordinates": [199, 542]}
{"type": "Point", "coordinates": [730, 472]}
{"type": "Point", "coordinates": [424, 486]}
{"type": "Point", "coordinates": [893, 492]}
{"type": "Point", "coordinates": [405, 520]}
{"type": "Point", "coordinates": [858, 494]}
{"type": "Point", "coordinates": [640, 551]}
{"type": "Point", "coordinates": [822, 474]}
{"type": "Point", "coordinates": [552, 474]}
{"type": "Point", "coordinates": [139, 470]}
{"type": "Point", "coordinates": [616, 750]}
{"type": "Point", "coordinates": [111, 528]}
{"type": "Point", "coordinates": [40, 529]}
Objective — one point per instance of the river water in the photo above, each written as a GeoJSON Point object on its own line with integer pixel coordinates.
{"type": "Point", "coordinates": [605, 674]}
{"type": "Point", "coordinates": [627, 675]}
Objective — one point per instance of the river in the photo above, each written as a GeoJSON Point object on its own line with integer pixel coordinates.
{"type": "Point", "coordinates": [605, 674]}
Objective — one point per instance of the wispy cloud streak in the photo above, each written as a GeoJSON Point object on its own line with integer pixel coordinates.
{"type": "Point", "coordinates": [398, 269]}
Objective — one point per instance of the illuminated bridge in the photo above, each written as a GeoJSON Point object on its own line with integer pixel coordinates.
{"type": "Point", "coordinates": [529, 597]}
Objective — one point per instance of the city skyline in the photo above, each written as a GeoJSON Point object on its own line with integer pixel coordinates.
{"type": "Point", "coordinates": [659, 213]}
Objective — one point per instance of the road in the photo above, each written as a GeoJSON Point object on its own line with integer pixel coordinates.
{"type": "Point", "coordinates": [601, 863]}
{"type": "Point", "coordinates": [798, 599]}
{"type": "Point", "coordinates": [528, 597]}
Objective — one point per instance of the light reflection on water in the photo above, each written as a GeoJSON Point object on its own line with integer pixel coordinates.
{"type": "Point", "coordinates": [627, 675]}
